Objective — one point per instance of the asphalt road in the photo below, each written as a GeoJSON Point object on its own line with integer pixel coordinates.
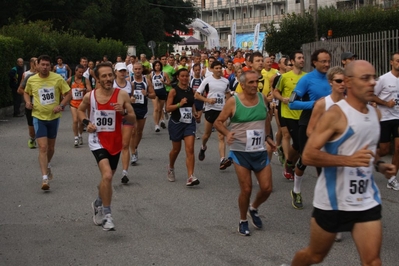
{"type": "Point", "coordinates": [157, 222]}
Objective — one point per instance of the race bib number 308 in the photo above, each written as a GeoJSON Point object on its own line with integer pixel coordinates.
{"type": "Point", "coordinates": [47, 95]}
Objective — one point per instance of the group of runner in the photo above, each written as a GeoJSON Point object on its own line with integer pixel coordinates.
{"type": "Point", "coordinates": [239, 98]}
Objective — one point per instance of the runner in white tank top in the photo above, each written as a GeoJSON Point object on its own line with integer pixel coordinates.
{"type": "Point", "coordinates": [344, 143]}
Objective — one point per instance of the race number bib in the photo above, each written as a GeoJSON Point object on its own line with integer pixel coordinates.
{"type": "Point", "coordinates": [186, 115]}
{"type": "Point", "coordinates": [255, 140]}
{"type": "Point", "coordinates": [219, 101]}
{"type": "Point", "coordinates": [77, 94]}
{"type": "Point", "coordinates": [396, 99]}
{"type": "Point", "coordinates": [158, 84]}
{"type": "Point", "coordinates": [47, 95]}
{"type": "Point", "coordinates": [105, 120]}
{"type": "Point", "coordinates": [138, 95]}
{"type": "Point", "coordinates": [357, 182]}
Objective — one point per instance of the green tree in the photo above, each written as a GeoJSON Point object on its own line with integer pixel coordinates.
{"type": "Point", "coordinates": [294, 30]}
{"type": "Point", "coordinates": [131, 21]}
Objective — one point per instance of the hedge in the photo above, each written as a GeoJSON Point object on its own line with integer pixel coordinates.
{"type": "Point", "coordinates": [40, 38]}
{"type": "Point", "coordinates": [11, 49]}
{"type": "Point", "coordinates": [34, 39]}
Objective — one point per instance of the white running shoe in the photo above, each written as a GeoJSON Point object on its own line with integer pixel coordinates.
{"type": "Point", "coordinates": [338, 237]}
{"type": "Point", "coordinates": [98, 214]}
{"type": "Point", "coordinates": [108, 223]}
{"type": "Point", "coordinates": [171, 175]}
{"type": "Point", "coordinates": [134, 158]}
{"type": "Point", "coordinates": [192, 181]}
{"type": "Point", "coordinates": [394, 184]}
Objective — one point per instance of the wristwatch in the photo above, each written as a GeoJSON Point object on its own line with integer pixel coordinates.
{"type": "Point", "coordinates": [124, 113]}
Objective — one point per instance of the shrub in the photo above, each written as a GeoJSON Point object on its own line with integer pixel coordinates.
{"type": "Point", "coordinates": [11, 49]}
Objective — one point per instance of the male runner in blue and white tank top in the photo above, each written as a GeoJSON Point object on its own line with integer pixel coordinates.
{"type": "Point", "coordinates": [62, 69]}
{"type": "Point", "coordinates": [346, 198]}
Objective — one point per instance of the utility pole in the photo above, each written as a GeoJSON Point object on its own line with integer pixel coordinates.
{"type": "Point", "coordinates": [313, 11]}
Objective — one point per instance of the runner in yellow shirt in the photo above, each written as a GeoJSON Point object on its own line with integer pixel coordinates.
{"type": "Point", "coordinates": [46, 88]}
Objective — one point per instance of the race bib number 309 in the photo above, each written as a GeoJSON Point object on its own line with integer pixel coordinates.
{"type": "Point", "coordinates": [105, 120]}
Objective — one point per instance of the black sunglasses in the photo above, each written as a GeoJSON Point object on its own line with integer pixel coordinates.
{"type": "Point", "coordinates": [338, 80]}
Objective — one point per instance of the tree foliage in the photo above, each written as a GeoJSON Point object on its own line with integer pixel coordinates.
{"type": "Point", "coordinates": [132, 21]}
{"type": "Point", "coordinates": [40, 38]}
{"type": "Point", "coordinates": [296, 30]}
{"type": "Point", "coordinates": [10, 49]}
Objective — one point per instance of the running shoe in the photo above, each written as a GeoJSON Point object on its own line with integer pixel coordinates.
{"type": "Point", "coordinates": [32, 144]}
{"type": "Point", "coordinates": [157, 128]}
{"type": "Point", "coordinates": [163, 125]}
{"type": "Point", "coordinates": [76, 143]}
{"type": "Point", "coordinates": [124, 179]}
{"type": "Point", "coordinates": [98, 214]}
{"type": "Point", "coordinates": [171, 175]}
{"type": "Point", "coordinates": [288, 171]}
{"type": "Point", "coordinates": [49, 174]}
{"type": "Point", "coordinates": [134, 158]}
{"type": "Point", "coordinates": [45, 184]}
{"type": "Point", "coordinates": [80, 140]}
{"type": "Point", "coordinates": [394, 184]}
{"type": "Point", "coordinates": [201, 155]}
{"type": "Point", "coordinates": [256, 221]}
{"type": "Point", "coordinates": [108, 223]}
{"type": "Point", "coordinates": [338, 237]}
{"type": "Point", "coordinates": [243, 229]}
{"type": "Point", "coordinates": [296, 200]}
{"type": "Point", "coordinates": [226, 162]}
{"type": "Point", "coordinates": [192, 181]}
{"type": "Point", "coordinates": [280, 154]}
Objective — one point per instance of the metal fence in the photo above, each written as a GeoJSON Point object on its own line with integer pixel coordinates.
{"type": "Point", "coordinates": [374, 47]}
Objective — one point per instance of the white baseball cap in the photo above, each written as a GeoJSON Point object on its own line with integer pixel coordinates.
{"type": "Point", "coordinates": [120, 66]}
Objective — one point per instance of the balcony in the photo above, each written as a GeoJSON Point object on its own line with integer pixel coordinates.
{"type": "Point", "coordinates": [228, 4]}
